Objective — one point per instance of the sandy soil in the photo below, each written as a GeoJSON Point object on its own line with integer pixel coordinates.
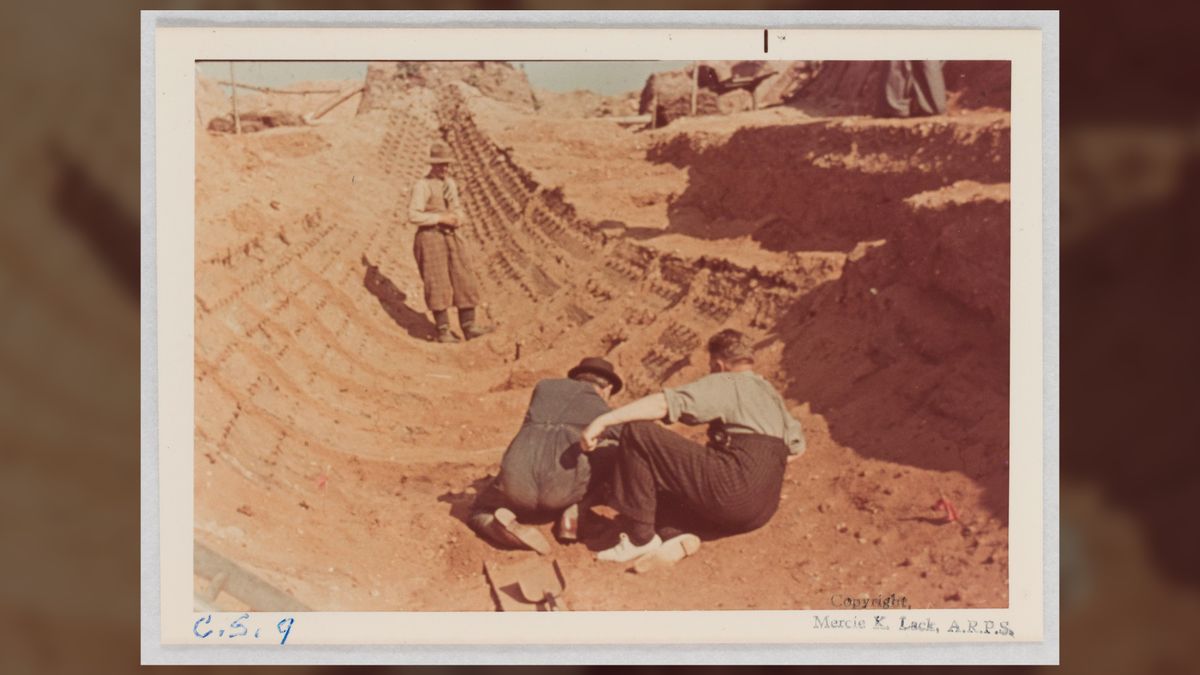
{"type": "Point", "coordinates": [337, 448]}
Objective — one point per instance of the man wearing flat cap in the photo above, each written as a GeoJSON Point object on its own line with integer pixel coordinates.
{"type": "Point", "coordinates": [436, 210]}
{"type": "Point", "coordinates": [543, 470]}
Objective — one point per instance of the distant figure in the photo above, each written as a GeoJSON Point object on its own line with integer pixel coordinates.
{"type": "Point", "coordinates": [544, 470]}
{"type": "Point", "coordinates": [733, 482]}
{"type": "Point", "coordinates": [441, 255]}
{"type": "Point", "coordinates": [914, 88]}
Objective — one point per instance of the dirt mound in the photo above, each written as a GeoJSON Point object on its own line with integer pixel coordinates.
{"type": "Point", "coordinates": [583, 103]}
{"type": "Point", "coordinates": [668, 96]}
{"type": "Point", "coordinates": [906, 355]}
{"type": "Point", "coordinates": [496, 80]}
{"type": "Point", "coordinates": [723, 88]}
{"type": "Point", "coordinates": [269, 107]}
{"type": "Point", "coordinates": [255, 121]}
{"type": "Point", "coordinates": [764, 182]}
{"type": "Point", "coordinates": [979, 85]}
{"type": "Point", "coordinates": [856, 87]}
{"type": "Point", "coordinates": [327, 421]}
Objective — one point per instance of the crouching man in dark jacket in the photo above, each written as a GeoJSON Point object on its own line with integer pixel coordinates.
{"type": "Point", "coordinates": [543, 469]}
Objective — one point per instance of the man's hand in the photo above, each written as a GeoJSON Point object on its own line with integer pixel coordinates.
{"type": "Point", "coordinates": [449, 218]}
{"type": "Point", "coordinates": [591, 435]}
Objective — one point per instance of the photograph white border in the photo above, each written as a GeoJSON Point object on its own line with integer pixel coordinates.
{"type": "Point", "coordinates": [173, 41]}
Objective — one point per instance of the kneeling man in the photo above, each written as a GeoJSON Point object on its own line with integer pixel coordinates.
{"type": "Point", "coordinates": [733, 483]}
{"type": "Point", "coordinates": [544, 470]}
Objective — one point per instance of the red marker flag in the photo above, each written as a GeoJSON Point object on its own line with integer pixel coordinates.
{"type": "Point", "coordinates": [945, 505]}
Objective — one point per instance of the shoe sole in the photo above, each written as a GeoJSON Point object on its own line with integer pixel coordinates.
{"type": "Point", "coordinates": [570, 534]}
{"type": "Point", "coordinates": [524, 534]}
{"type": "Point", "coordinates": [626, 561]}
{"type": "Point", "coordinates": [672, 551]}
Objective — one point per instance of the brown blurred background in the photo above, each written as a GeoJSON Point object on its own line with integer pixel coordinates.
{"type": "Point", "coordinates": [69, 343]}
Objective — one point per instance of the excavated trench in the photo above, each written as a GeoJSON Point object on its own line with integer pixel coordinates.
{"type": "Point", "coordinates": [328, 423]}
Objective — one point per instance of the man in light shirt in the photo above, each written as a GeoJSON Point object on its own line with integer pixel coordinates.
{"type": "Point", "coordinates": [436, 210]}
{"type": "Point", "coordinates": [733, 483]}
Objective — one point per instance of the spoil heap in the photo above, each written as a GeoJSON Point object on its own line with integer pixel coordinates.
{"type": "Point", "coordinates": [821, 88]}
{"type": "Point", "coordinates": [385, 82]}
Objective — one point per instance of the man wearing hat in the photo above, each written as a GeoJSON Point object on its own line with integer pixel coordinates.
{"type": "Point", "coordinates": [543, 470]}
{"type": "Point", "coordinates": [441, 255]}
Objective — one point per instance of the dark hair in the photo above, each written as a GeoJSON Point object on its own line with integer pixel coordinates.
{"type": "Point", "coordinates": [593, 378]}
{"type": "Point", "coordinates": [731, 346]}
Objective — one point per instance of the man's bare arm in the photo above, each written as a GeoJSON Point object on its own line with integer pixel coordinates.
{"type": "Point", "coordinates": [647, 408]}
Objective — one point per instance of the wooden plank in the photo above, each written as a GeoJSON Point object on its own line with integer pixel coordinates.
{"type": "Point", "coordinates": [273, 90]}
{"type": "Point", "coordinates": [695, 84]}
{"type": "Point", "coordinates": [334, 102]}
{"type": "Point", "coordinates": [242, 584]}
{"type": "Point", "coordinates": [237, 121]}
{"type": "Point", "coordinates": [506, 589]}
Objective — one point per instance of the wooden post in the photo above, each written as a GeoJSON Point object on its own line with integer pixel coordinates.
{"type": "Point", "coordinates": [334, 102]}
{"type": "Point", "coordinates": [695, 84]}
{"type": "Point", "coordinates": [237, 121]}
{"type": "Point", "coordinates": [240, 583]}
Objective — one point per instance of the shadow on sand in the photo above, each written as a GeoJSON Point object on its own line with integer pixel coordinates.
{"type": "Point", "coordinates": [394, 302]}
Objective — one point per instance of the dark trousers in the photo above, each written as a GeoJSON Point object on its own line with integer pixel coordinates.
{"type": "Point", "coordinates": [553, 495]}
{"type": "Point", "coordinates": [445, 269]}
{"type": "Point", "coordinates": [734, 489]}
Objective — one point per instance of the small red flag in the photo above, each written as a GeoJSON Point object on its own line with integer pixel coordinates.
{"type": "Point", "coordinates": [945, 505]}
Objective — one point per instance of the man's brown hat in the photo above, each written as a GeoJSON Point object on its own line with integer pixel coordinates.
{"type": "Point", "coordinates": [439, 153]}
{"type": "Point", "coordinates": [598, 366]}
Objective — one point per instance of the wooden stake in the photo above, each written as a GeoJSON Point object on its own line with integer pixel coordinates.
{"type": "Point", "coordinates": [335, 102]}
{"type": "Point", "coordinates": [237, 121]}
{"type": "Point", "coordinates": [273, 90]}
{"type": "Point", "coordinates": [695, 84]}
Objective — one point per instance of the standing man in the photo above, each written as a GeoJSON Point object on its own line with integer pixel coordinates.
{"type": "Point", "coordinates": [733, 483]}
{"type": "Point", "coordinates": [914, 88]}
{"type": "Point", "coordinates": [441, 255]}
{"type": "Point", "coordinates": [543, 469]}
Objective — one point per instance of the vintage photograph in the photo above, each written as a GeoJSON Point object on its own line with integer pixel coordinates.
{"type": "Point", "coordinates": [601, 335]}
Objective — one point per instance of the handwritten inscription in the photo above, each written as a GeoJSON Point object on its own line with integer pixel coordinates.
{"type": "Point", "coordinates": [242, 627]}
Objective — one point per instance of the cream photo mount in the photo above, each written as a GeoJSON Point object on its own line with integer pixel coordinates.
{"type": "Point", "coordinates": [172, 633]}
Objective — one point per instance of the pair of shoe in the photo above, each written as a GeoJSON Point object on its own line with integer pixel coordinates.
{"type": "Point", "coordinates": [653, 554]}
{"type": "Point", "coordinates": [502, 527]}
{"type": "Point", "coordinates": [445, 335]}
{"type": "Point", "coordinates": [472, 331]}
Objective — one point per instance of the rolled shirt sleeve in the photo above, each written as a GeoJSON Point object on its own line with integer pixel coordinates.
{"type": "Point", "coordinates": [742, 401]}
{"type": "Point", "coordinates": [697, 402]}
